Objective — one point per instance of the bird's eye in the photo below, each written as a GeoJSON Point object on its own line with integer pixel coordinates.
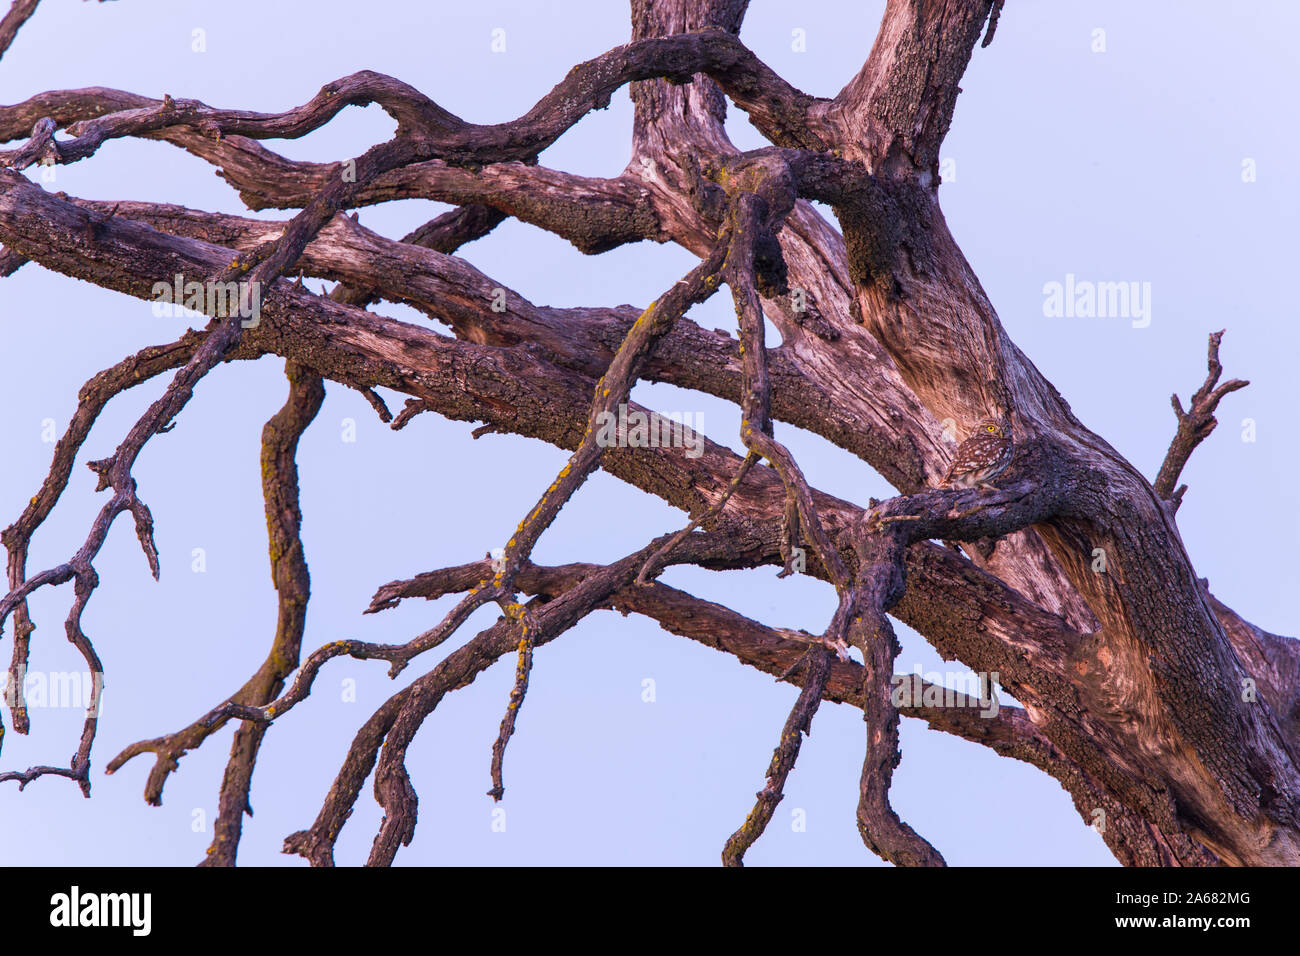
{"type": "Point", "coordinates": [993, 429]}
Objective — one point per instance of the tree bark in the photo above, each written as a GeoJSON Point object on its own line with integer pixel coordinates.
{"type": "Point", "coordinates": [1145, 697]}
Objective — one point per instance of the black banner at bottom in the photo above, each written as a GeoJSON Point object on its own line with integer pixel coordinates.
{"type": "Point", "coordinates": [333, 906]}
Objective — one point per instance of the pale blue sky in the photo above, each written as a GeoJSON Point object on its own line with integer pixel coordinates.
{"type": "Point", "coordinates": [1123, 165]}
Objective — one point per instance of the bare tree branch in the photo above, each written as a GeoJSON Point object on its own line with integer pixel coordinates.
{"type": "Point", "coordinates": [293, 585]}
{"type": "Point", "coordinates": [817, 669]}
{"type": "Point", "coordinates": [19, 12]}
{"type": "Point", "coordinates": [1194, 425]}
{"type": "Point", "coordinates": [94, 395]}
{"type": "Point", "coordinates": [1088, 609]}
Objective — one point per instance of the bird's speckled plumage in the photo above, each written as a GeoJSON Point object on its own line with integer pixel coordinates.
{"type": "Point", "coordinates": [983, 456]}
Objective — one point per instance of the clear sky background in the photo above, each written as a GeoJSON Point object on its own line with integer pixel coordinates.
{"type": "Point", "coordinates": [1122, 165]}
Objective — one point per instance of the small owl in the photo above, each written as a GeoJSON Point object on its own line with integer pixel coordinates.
{"type": "Point", "coordinates": [983, 456]}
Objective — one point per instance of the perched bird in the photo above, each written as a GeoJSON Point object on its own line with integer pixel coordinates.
{"type": "Point", "coordinates": [983, 456]}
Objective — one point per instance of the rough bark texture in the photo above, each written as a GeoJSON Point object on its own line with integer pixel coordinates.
{"type": "Point", "coordinates": [1144, 696]}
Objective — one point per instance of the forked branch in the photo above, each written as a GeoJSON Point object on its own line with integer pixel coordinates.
{"type": "Point", "coordinates": [1195, 424]}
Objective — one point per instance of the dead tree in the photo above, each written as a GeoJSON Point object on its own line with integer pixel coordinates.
{"type": "Point", "coordinates": [1144, 696]}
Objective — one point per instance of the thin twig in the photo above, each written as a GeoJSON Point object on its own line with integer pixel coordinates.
{"type": "Point", "coordinates": [652, 567]}
{"type": "Point", "coordinates": [817, 672]}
